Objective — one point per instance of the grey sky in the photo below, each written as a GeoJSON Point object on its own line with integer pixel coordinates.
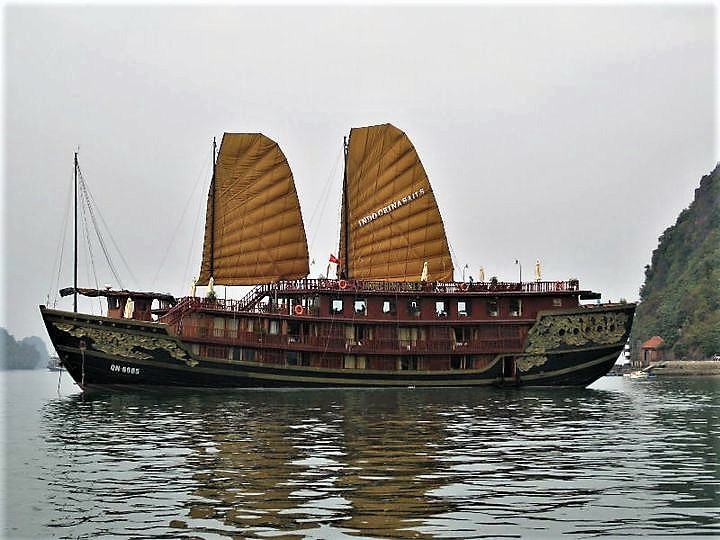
{"type": "Point", "coordinates": [572, 134]}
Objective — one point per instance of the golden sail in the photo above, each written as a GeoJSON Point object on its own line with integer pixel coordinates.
{"type": "Point", "coordinates": [254, 230]}
{"type": "Point", "coordinates": [392, 219]}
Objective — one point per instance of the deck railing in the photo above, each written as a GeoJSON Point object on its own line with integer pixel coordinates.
{"type": "Point", "coordinates": [251, 302]}
{"type": "Point", "coordinates": [343, 345]}
{"type": "Point", "coordinates": [357, 285]}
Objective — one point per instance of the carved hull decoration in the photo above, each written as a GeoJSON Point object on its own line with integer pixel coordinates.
{"type": "Point", "coordinates": [576, 330]}
{"type": "Point", "coordinates": [525, 363]}
{"type": "Point", "coordinates": [126, 345]}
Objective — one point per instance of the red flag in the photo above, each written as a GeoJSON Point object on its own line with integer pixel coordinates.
{"type": "Point", "coordinates": [334, 259]}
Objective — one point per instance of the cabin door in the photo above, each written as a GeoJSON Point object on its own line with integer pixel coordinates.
{"type": "Point", "coordinates": [509, 368]}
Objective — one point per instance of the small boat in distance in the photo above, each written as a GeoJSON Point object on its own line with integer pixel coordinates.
{"type": "Point", "coordinates": [393, 315]}
{"type": "Point", "coordinates": [641, 374]}
{"type": "Point", "coordinates": [54, 364]}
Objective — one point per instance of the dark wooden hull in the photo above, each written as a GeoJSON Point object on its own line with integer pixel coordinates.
{"type": "Point", "coordinates": [106, 352]}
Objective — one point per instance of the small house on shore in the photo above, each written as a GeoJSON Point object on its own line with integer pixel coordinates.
{"type": "Point", "coordinates": [651, 351]}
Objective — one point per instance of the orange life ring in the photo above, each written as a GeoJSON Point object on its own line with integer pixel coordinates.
{"type": "Point", "coordinates": [559, 286]}
{"type": "Point", "coordinates": [464, 287]}
{"type": "Point", "coordinates": [342, 284]}
{"type": "Point", "coordinates": [298, 309]}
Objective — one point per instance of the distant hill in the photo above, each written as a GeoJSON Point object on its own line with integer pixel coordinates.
{"type": "Point", "coordinates": [28, 353]}
{"type": "Point", "coordinates": [680, 299]}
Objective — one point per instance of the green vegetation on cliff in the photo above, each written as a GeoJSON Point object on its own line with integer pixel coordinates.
{"type": "Point", "coordinates": [680, 300]}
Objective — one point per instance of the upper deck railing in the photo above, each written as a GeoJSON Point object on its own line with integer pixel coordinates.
{"type": "Point", "coordinates": [433, 287]}
{"type": "Point", "coordinates": [252, 301]}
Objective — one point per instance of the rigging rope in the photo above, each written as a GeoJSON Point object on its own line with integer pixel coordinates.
{"type": "Point", "coordinates": [89, 202]}
{"type": "Point", "coordinates": [192, 245]}
{"type": "Point", "coordinates": [99, 237]}
{"type": "Point", "coordinates": [86, 240]}
{"type": "Point", "coordinates": [319, 210]}
{"type": "Point", "coordinates": [196, 183]}
{"type": "Point", "coordinates": [89, 214]}
{"type": "Point", "coordinates": [60, 251]}
{"type": "Point", "coordinates": [112, 238]}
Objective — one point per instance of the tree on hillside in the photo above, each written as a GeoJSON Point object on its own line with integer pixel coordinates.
{"type": "Point", "coordinates": [680, 299]}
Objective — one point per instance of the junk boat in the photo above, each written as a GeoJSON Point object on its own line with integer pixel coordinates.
{"type": "Point", "coordinates": [392, 315]}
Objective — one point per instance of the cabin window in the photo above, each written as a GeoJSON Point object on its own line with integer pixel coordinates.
{"type": "Point", "coordinates": [414, 307]}
{"type": "Point", "coordinates": [441, 308]}
{"type": "Point", "coordinates": [249, 355]}
{"type": "Point", "coordinates": [356, 334]}
{"type": "Point", "coordinates": [218, 326]}
{"type": "Point", "coordinates": [362, 333]}
{"type": "Point", "coordinates": [217, 351]}
{"type": "Point", "coordinates": [113, 302]}
{"type": "Point", "coordinates": [141, 305]}
{"type": "Point", "coordinates": [493, 307]}
{"type": "Point", "coordinates": [409, 336]}
{"type": "Point", "coordinates": [295, 358]}
{"type": "Point", "coordinates": [458, 362]}
{"type": "Point", "coordinates": [274, 327]}
{"type": "Point", "coordinates": [515, 307]}
{"type": "Point", "coordinates": [236, 353]}
{"type": "Point", "coordinates": [557, 302]}
{"type": "Point", "coordinates": [293, 331]}
{"type": "Point", "coordinates": [389, 306]}
{"type": "Point", "coordinates": [336, 306]}
{"type": "Point", "coordinates": [231, 327]}
{"type": "Point", "coordinates": [312, 304]}
{"type": "Point", "coordinates": [354, 362]}
{"type": "Point", "coordinates": [461, 335]}
{"type": "Point", "coordinates": [360, 306]}
{"type": "Point", "coordinates": [412, 363]}
{"type": "Point", "coordinates": [463, 307]}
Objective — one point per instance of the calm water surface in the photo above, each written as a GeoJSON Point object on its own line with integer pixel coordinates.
{"type": "Point", "coordinates": [624, 458]}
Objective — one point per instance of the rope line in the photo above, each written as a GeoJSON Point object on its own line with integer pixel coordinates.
{"type": "Point", "coordinates": [193, 194]}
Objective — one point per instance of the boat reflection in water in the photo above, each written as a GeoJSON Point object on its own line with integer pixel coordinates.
{"type": "Point", "coordinates": [260, 461]}
{"type": "Point", "coordinates": [328, 464]}
{"type": "Point", "coordinates": [388, 463]}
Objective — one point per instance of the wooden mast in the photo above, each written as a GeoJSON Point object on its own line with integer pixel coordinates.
{"type": "Point", "coordinates": [212, 222]}
{"type": "Point", "coordinates": [75, 245]}
{"type": "Point", "coordinates": [346, 220]}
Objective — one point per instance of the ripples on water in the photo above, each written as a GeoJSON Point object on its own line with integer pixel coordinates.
{"type": "Point", "coordinates": [635, 458]}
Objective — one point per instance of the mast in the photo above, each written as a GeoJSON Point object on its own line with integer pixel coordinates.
{"type": "Point", "coordinates": [75, 245]}
{"type": "Point", "coordinates": [346, 219]}
{"type": "Point", "coordinates": [212, 222]}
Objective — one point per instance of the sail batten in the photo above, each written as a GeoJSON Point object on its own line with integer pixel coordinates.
{"type": "Point", "coordinates": [392, 219]}
{"type": "Point", "coordinates": [259, 235]}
